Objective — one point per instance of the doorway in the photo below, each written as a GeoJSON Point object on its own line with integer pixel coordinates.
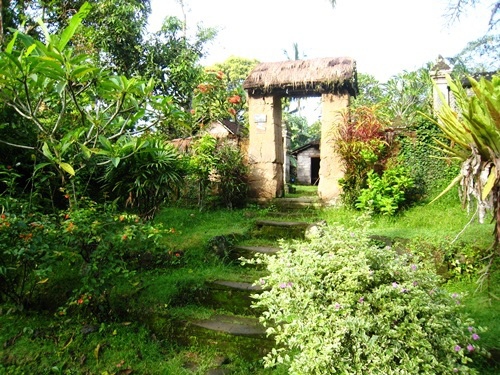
{"type": "Point", "coordinates": [315, 162]}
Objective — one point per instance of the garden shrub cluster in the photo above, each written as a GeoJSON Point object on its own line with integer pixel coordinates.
{"type": "Point", "coordinates": [341, 305]}
{"type": "Point", "coordinates": [385, 194]}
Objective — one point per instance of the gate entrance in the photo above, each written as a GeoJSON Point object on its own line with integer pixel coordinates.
{"type": "Point", "coordinates": [332, 79]}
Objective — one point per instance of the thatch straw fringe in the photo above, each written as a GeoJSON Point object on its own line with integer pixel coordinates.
{"type": "Point", "coordinates": [302, 74]}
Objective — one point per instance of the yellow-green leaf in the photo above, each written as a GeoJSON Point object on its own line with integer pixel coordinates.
{"type": "Point", "coordinates": [67, 168]}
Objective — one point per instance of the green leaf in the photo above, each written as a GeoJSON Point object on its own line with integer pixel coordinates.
{"type": "Point", "coordinates": [75, 21]}
{"type": "Point", "coordinates": [455, 181]}
{"type": "Point", "coordinates": [86, 151]}
{"type": "Point", "coordinates": [115, 161]}
{"type": "Point", "coordinates": [10, 46]}
{"type": "Point", "coordinates": [46, 151]}
{"type": "Point", "coordinates": [105, 143]}
{"type": "Point", "coordinates": [67, 168]}
{"type": "Point", "coordinates": [41, 165]}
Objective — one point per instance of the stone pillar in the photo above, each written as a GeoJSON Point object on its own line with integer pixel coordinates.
{"type": "Point", "coordinates": [438, 73]}
{"type": "Point", "coordinates": [265, 149]}
{"type": "Point", "coordinates": [333, 109]}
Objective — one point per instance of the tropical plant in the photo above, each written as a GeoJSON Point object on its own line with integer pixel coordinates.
{"type": "Point", "coordinates": [65, 105]}
{"type": "Point", "coordinates": [112, 31]}
{"type": "Point", "coordinates": [202, 165]}
{"type": "Point", "coordinates": [339, 304]}
{"type": "Point", "coordinates": [385, 194]}
{"type": "Point", "coordinates": [145, 171]}
{"type": "Point", "coordinates": [405, 95]}
{"type": "Point", "coordinates": [473, 130]}
{"type": "Point", "coordinates": [231, 175]}
{"type": "Point", "coordinates": [362, 146]}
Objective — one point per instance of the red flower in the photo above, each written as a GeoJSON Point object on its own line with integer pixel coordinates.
{"type": "Point", "coordinates": [177, 255]}
{"type": "Point", "coordinates": [9, 167]}
{"type": "Point", "coordinates": [80, 301]}
{"type": "Point", "coordinates": [124, 237]}
{"type": "Point", "coordinates": [204, 88]}
{"type": "Point", "coordinates": [220, 75]}
{"type": "Point", "coordinates": [235, 99]}
{"type": "Point", "coordinates": [232, 111]}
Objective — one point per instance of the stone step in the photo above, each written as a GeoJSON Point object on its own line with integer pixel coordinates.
{"type": "Point", "coordinates": [233, 296]}
{"type": "Point", "coordinates": [297, 203]}
{"type": "Point", "coordinates": [294, 214]}
{"type": "Point", "coordinates": [232, 325]}
{"type": "Point", "coordinates": [250, 251]}
{"type": "Point", "coordinates": [235, 336]}
{"type": "Point", "coordinates": [282, 224]}
{"type": "Point", "coordinates": [274, 230]}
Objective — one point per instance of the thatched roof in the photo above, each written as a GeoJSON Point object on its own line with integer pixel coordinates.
{"type": "Point", "coordinates": [303, 77]}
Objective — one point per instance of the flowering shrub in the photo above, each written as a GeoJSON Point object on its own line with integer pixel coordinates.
{"type": "Point", "coordinates": [340, 305]}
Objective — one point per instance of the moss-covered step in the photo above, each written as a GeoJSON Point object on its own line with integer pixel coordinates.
{"type": "Point", "coordinates": [297, 203]}
{"type": "Point", "coordinates": [280, 229]}
{"type": "Point", "coordinates": [241, 251]}
{"type": "Point", "coordinates": [233, 296]}
{"type": "Point", "coordinates": [233, 335]}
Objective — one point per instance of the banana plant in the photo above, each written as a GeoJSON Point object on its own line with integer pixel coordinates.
{"type": "Point", "coordinates": [474, 131]}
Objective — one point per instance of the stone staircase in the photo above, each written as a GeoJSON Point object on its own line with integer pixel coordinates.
{"type": "Point", "coordinates": [237, 330]}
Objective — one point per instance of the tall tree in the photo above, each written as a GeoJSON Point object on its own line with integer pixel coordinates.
{"type": "Point", "coordinates": [172, 58]}
{"type": "Point", "coordinates": [112, 31]}
{"type": "Point", "coordinates": [457, 8]}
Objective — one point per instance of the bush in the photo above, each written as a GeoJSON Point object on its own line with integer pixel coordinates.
{"type": "Point", "coordinates": [385, 194]}
{"type": "Point", "coordinates": [106, 242]}
{"type": "Point", "coordinates": [27, 255]}
{"type": "Point", "coordinates": [144, 173]}
{"type": "Point", "coordinates": [362, 147]}
{"type": "Point", "coordinates": [341, 305]}
{"type": "Point", "coordinates": [232, 175]}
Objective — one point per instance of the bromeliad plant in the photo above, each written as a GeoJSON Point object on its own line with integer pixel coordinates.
{"type": "Point", "coordinates": [474, 132]}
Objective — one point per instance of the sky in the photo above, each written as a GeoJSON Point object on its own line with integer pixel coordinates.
{"type": "Point", "coordinates": [385, 37]}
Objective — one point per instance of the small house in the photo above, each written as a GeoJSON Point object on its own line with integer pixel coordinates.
{"type": "Point", "coordinates": [308, 163]}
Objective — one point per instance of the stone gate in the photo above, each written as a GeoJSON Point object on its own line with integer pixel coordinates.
{"type": "Point", "coordinates": [334, 80]}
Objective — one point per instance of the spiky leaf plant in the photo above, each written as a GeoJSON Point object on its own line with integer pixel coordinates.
{"type": "Point", "coordinates": [474, 131]}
